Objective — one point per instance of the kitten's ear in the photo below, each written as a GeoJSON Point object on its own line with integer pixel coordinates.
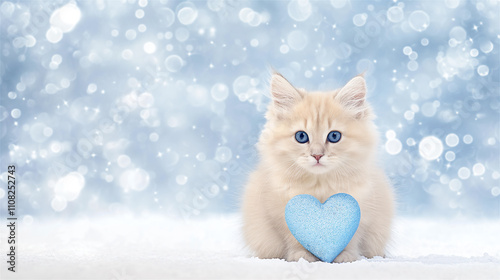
{"type": "Point", "coordinates": [284, 95]}
{"type": "Point", "coordinates": [353, 97]}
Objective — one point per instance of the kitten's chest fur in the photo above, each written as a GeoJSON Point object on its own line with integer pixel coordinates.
{"type": "Point", "coordinates": [322, 187]}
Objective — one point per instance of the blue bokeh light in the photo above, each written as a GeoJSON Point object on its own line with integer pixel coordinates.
{"type": "Point", "coordinates": [154, 106]}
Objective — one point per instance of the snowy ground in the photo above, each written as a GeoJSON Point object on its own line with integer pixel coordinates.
{"type": "Point", "coordinates": [158, 248]}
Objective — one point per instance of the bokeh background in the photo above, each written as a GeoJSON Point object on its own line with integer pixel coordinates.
{"type": "Point", "coordinates": [153, 107]}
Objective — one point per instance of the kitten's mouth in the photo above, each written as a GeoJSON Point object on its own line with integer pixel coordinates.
{"type": "Point", "coordinates": [318, 168]}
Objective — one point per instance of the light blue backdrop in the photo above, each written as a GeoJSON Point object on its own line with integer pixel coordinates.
{"type": "Point", "coordinates": [154, 106]}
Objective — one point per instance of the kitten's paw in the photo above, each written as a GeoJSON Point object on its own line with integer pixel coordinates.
{"type": "Point", "coordinates": [346, 256]}
{"type": "Point", "coordinates": [370, 255]}
{"type": "Point", "coordinates": [297, 255]}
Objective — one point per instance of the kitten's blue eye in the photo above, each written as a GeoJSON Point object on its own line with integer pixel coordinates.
{"type": "Point", "coordinates": [334, 136]}
{"type": "Point", "coordinates": [301, 137]}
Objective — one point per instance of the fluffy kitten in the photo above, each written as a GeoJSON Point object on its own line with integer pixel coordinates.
{"type": "Point", "coordinates": [321, 166]}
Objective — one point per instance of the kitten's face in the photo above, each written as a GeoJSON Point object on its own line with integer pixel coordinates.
{"type": "Point", "coordinates": [321, 131]}
{"type": "Point", "coordinates": [334, 138]}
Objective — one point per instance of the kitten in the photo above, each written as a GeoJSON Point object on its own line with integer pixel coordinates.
{"type": "Point", "coordinates": [317, 143]}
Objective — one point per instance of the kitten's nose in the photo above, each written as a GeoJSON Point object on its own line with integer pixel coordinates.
{"type": "Point", "coordinates": [317, 157]}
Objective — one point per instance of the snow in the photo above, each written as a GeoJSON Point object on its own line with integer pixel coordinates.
{"type": "Point", "coordinates": [157, 247]}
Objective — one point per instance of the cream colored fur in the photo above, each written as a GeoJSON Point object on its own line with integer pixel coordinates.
{"type": "Point", "coordinates": [287, 168]}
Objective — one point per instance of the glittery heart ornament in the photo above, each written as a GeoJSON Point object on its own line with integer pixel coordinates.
{"type": "Point", "coordinates": [324, 229]}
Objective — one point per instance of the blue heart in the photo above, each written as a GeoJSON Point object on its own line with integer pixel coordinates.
{"type": "Point", "coordinates": [323, 229]}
